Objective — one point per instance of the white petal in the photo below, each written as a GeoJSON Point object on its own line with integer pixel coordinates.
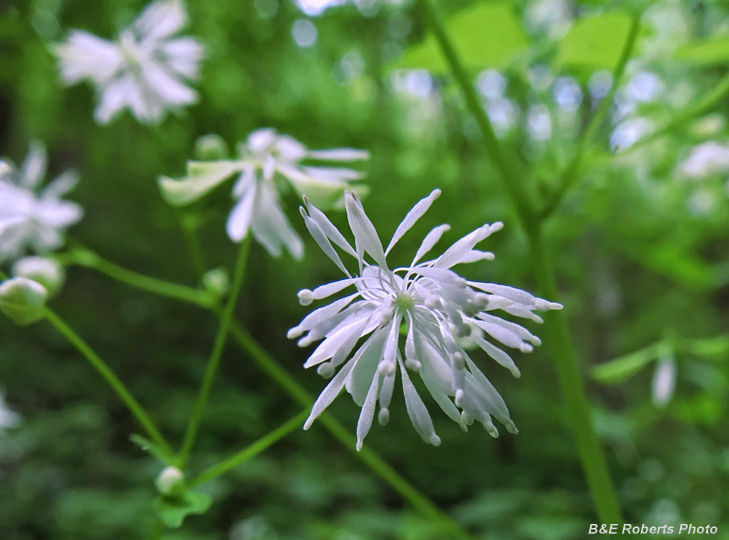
{"type": "Point", "coordinates": [364, 232]}
{"type": "Point", "coordinates": [368, 412]}
{"type": "Point", "coordinates": [367, 358]}
{"type": "Point", "coordinates": [459, 249]}
{"type": "Point", "coordinates": [331, 344]}
{"type": "Point", "coordinates": [84, 55]}
{"type": "Point", "coordinates": [240, 217]}
{"type": "Point", "coordinates": [319, 315]}
{"type": "Point", "coordinates": [412, 217]}
{"type": "Point", "coordinates": [329, 394]}
{"type": "Point", "coordinates": [323, 241]}
{"type": "Point", "coordinates": [339, 154]}
{"type": "Point", "coordinates": [64, 183]}
{"type": "Point", "coordinates": [429, 241]}
{"type": "Point", "coordinates": [115, 96]}
{"type": "Point", "coordinates": [417, 411]}
{"type": "Point", "coordinates": [161, 19]}
{"type": "Point", "coordinates": [512, 293]}
{"type": "Point", "coordinates": [329, 229]}
{"type": "Point", "coordinates": [261, 139]}
{"type": "Point", "coordinates": [183, 55]}
{"type": "Point", "coordinates": [328, 289]}
{"type": "Point", "coordinates": [520, 331]}
{"type": "Point", "coordinates": [497, 354]}
{"type": "Point", "coordinates": [34, 166]}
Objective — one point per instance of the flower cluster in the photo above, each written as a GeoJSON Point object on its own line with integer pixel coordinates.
{"type": "Point", "coordinates": [32, 219]}
{"type": "Point", "coordinates": [437, 307]}
{"type": "Point", "coordinates": [144, 69]}
{"type": "Point", "coordinates": [261, 157]}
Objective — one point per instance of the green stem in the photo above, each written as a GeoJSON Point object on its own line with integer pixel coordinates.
{"type": "Point", "coordinates": [335, 428]}
{"type": "Point", "coordinates": [591, 455]}
{"type": "Point", "coordinates": [505, 164]}
{"type": "Point", "coordinates": [574, 394]}
{"type": "Point", "coordinates": [193, 246]}
{"type": "Point", "coordinates": [572, 173]}
{"type": "Point", "coordinates": [89, 259]}
{"type": "Point", "coordinates": [99, 365]}
{"type": "Point", "coordinates": [158, 529]}
{"type": "Point", "coordinates": [214, 361]}
{"type": "Point", "coordinates": [250, 451]}
{"type": "Point", "coordinates": [342, 434]}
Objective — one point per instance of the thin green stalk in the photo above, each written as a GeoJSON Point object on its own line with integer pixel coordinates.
{"type": "Point", "coordinates": [250, 451]}
{"type": "Point", "coordinates": [571, 174]}
{"type": "Point", "coordinates": [575, 397]}
{"type": "Point", "coordinates": [214, 360]}
{"type": "Point", "coordinates": [507, 165]}
{"type": "Point", "coordinates": [89, 259]}
{"type": "Point", "coordinates": [281, 377]}
{"type": "Point", "coordinates": [591, 454]}
{"type": "Point", "coordinates": [99, 365]}
{"type": "Point", "coordinates": [193, 246]}
{"type": "Point", "coordinates": [342, 434]}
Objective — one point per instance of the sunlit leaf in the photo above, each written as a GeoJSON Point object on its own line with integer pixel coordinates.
{"type": "Point", "coordinates": [487, 35]}
{"type": "Point", "coordinates": [595, 42]}
{"type": "Point", "coordinates": [712, 51]}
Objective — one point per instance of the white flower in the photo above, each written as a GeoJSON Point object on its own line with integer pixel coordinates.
{"type": "Point", "coordinates": [264, 154]}
{"type": "Point", "coordinates": [29, 221]}
{"type": "Point", "coordinates": [144, 69]}
{"type": "Point", "coordinates": [437, 307]}
{"type": "Point", "coordinates": [706, 159]}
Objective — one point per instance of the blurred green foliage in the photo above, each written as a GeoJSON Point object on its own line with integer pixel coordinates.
{"type": "Point", "coordinates": [640, 249]}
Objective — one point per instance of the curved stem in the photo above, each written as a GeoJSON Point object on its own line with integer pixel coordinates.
{"type": "Point", "coordinates": [89, 259]}
{"type": "Point", "coordinates": [292, 387]}
{"type": "Point", "coordinates": [99, 365]}
{"type": "Point", "coordinates": [250, 451]}
{"type": "Point", "coordinates": [571, 174]}
{"type": "Point", "coordinates": [214, 360]}
{"type": "Point", "coordinates": [573, 391]}
{"type": "Point", "coordinates": [590, 451]}
{"type": "Point", "coordinates": [505, 164]}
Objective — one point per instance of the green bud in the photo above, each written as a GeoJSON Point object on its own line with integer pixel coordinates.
{"type": "Point", "coordinates": [42, 270]}
{"type": "Point", "coordinates": [216, 282]}
{"type": "Point", "coordinates": [210, 147]}
{"type": "Point", "coordinates": [23, 300]}
{"type": "Point", "coordinates": [170, 482]}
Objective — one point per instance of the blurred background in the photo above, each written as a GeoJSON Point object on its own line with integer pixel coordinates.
{"type": "Point", "coordinates": [640, 249]}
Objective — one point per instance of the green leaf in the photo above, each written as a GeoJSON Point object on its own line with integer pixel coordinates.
{"type": "Point", "coordinates": [595, 42]}
{"type": "Point", "coordinates": [716, 347]}
{"type": "Point", "coordinates": [624, 367]}
{"type": "Point", "coordinates": [487, 35]}
{"type": "Point", "coordinates": [173, 510]}
{"type": "Point", "coordinates": [153, 448]}
{"type": "Point", "coordinates": [709, 52]}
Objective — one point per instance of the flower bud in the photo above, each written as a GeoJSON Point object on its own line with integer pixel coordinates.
{"type": "Point", "coordinates": [170, 481]}
{"type": "Point", "coordinates": [23, 300]}
{"type": "Point", "coordinates": [42, 270]}
{"type": "Point", "coordinates": [216, 282]}
{"type": "Point", "coordinates": [210, 147]}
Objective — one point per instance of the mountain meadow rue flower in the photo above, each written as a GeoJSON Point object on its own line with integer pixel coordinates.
{"type": "Point", "coordinates": [29, 221]}
{"type": "Point", "coordinates": [437, 308]}
{"type": "Point", "coordinates": [263, 160]}
{"type": "Point", "coordinates": [145, 69]}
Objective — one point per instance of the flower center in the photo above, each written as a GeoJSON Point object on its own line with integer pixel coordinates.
{"type": "Point", "coordinates": [404, 301]}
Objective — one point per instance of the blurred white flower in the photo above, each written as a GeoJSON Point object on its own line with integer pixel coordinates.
{"type": "Point", "coordinates": [264, 154]}
{"type": "Point", "coordinates": [437, 307]}
{"type": "Point", "coordinates": [29, 221]}
{"type": "Point", "coordinates": [144, 69]}
{"type": "Point", "coordinates": [706, 159]}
